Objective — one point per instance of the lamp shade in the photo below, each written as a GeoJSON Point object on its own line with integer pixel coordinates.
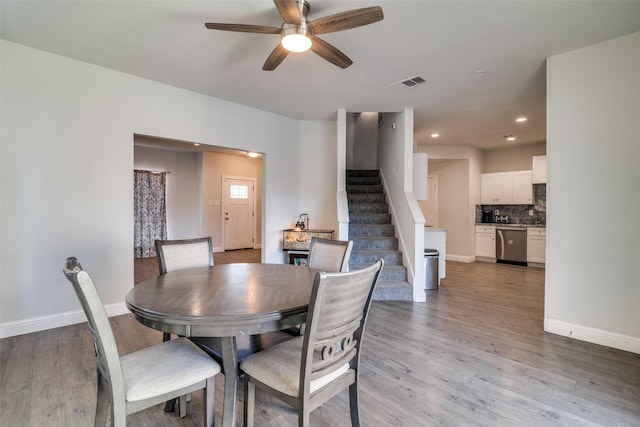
{"type": "Point", "coordinates": [296, 42]}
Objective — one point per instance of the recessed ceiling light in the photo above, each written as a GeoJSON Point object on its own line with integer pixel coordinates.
{"type": "Point", "coordinates": [435, 135]}
{"type": "Point", "coordinates": [510, 137]}
{"type": "Point", "coordinates": [252, 154]}
{"type": "Point", "coordinates": [479, 73]}
{"type": "Point", "coordinates": [521, 119]}
{"type": "Point", "coordinates": [196, 144]}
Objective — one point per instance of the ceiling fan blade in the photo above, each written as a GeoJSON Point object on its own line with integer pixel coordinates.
{"type": "Point", "coordinates": [277, 56]}
{"type": "Point", "coordinates": [347, 20]}
{"type": "Point", "coordinates": [330, 53]}
{"type": "Point", "coordinates": [243, 28]}
{"type": "Point", "coordinates": [289, 11]}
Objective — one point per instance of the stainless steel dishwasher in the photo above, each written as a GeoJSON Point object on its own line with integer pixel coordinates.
{"type": "Point", "coordinates": [511, 245]}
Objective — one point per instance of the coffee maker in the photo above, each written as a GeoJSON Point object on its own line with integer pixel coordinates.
{"type": "Point", "coordinates": [487, 217]}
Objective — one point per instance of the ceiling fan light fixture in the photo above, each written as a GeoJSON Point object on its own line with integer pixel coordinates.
{"type": "Point", "coordinates": [296, 43]}
{"type": "Point", "coordinates": [295, 38]}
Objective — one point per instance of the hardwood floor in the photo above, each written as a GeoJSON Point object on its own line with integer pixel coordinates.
{"type": "Point", "coordinates": [474, 354]}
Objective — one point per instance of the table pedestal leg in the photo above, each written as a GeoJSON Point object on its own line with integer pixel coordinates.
{"type": "Point", "coordinates": [230, 363]}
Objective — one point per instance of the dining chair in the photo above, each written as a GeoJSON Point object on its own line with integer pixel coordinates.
{"type": "Point", "coordinates": [184, 253]}
{"type": "Point", "coordinates": [329, 255]}
{"type": "Point", "coordinates": [326, 255]}
{"type": "Point", "coordinates": [189, 253]}
{"type": "Point", "coordinates": [307, 371]}
{"type": "Point", "coordinates": [146, 377]}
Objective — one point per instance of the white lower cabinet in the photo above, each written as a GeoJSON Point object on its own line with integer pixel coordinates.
{"type": "Point", "coordinates": [536, 245]}
{"type": "Point", "coordinates": [485, 245]}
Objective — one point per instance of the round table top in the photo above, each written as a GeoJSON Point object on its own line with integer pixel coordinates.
{"type": "Point", "coordinates": [224, 300]}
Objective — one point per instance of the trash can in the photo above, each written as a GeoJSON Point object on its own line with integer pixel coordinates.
{"type": "Point", "coordinates": [431, 278]}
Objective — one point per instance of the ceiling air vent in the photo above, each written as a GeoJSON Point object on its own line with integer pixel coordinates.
{"type": "Point", "coordinates": [410, 82]}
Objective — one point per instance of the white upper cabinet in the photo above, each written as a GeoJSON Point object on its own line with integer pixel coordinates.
{"type": "Point", "coordinates": [506, 188]}
{"type": "Point", "coordinates": [496, 188]}
{"type": "Point", "coordinates": [522, 188]}
{"type": "Point", "coordinates": [539, 165]}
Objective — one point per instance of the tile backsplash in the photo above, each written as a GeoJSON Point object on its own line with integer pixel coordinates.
{"type": "Point", "coordinates": [519, 214]}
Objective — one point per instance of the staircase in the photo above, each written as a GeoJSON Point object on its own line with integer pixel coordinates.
{"type": "Point", "coordinates": [373, 235]}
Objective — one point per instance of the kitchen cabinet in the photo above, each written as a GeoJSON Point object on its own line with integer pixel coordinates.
{"type": "Point", "coordinates": [485, 242]}
{"type": "Point", "coordinates": [506, 188]}
{"type": "Point", "coordinates": [536, 245]}
{"type": "Point", "coordinates": [539, 166]}
{"type": "Point", "coordinates": [522, 188]}
{"type": "Point", "coordinates": [496, 188]}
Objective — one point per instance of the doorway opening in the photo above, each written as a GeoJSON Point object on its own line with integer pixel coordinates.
{"type": "Point", "coordinates": [195, 197]}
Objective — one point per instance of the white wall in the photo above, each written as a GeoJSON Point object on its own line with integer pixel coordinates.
{"type": "Point", "coordinates": [395, 154]}
{"type": "Point", "coordinates": [362, 141]}
{"type": "Point", "coordinates": [184, 219]}
{"type": "Point", "coordinates": [463, 238]}
{"type": "Point", "coordinates": [66, 175]}
{"type": "Point", "coordinates": [453, 203]}
{"type": "Point", "coordinates": [593, 273]}
{"type": "Point", "coordinates": [517, 158]}
{"type": "Point", "coordinates": [318, 177]}
{"type": "Point", "coordinates": [214, 166]}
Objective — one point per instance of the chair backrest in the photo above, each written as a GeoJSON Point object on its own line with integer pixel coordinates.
{"type": "Point", "coordinates": [185, 253]}
{"type": "Point", "coordinates": [108, 359]}
{"type": "Point", "coordinates": [329, 255]}
{"type": "Point", "coordinates": [335, 323]}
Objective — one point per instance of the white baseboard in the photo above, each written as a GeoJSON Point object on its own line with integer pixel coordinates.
{"type": "Point", "coordinates": [460, 258]}
{"type": "Point", "coordinates": [595, 336]}
{"type": "Point", "coordinates": [42, 323]}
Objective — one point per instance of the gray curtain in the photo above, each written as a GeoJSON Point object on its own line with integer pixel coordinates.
{"type": "Point", "coordinates": [149, 211]}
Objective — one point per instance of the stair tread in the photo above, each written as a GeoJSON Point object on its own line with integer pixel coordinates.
{"type": "Point", "coordinates": [373, 234]}
{"type": "Point", "coordinates": [372, 238]}
{"type": "Point", "coordinates": [393, 284]}
{"type": "Point", "coordinates": [386, 265]}
{"type": "Point", "coordinates": [374, 251]}
{"type": "Point", "coordinates": [393, 291]}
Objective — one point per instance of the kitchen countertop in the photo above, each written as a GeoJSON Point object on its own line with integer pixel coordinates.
{"type": "Point", "coordinates": [497, 224]}
{"type": "Point", "coordinates": [431, 228]}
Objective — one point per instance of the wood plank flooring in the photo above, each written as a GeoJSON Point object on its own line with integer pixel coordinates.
{"type": "Point", "coordinates": [474, 354]}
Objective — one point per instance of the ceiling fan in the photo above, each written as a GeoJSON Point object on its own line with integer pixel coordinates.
{"type": "Point", "coordinates": [298, 34]}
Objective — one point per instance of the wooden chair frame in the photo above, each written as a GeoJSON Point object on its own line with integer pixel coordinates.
{"type": "Point", "coordinates": [112, 391]}
{"type": "Point", "coordinates": [340, 251]}
{"type": "Point", "coordinates": [330, 347]}
{"type": "Point", "coordinates": [163, 257]}
{"type": "Point", "coordinates": [211, 345]}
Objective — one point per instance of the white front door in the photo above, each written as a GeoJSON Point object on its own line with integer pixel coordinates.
{"type": "Point", "coordinates": [238, 212]}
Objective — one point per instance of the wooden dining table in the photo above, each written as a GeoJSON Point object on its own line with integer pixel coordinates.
{"type": "Point", "coordinates": [225, 301]}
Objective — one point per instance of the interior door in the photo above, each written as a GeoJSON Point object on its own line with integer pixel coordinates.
{"type": "Point", "coordinates": [238, 213]}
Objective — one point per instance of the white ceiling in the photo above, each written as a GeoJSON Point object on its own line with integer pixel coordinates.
{"type": "Point", "coordinates": [445, 42]}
